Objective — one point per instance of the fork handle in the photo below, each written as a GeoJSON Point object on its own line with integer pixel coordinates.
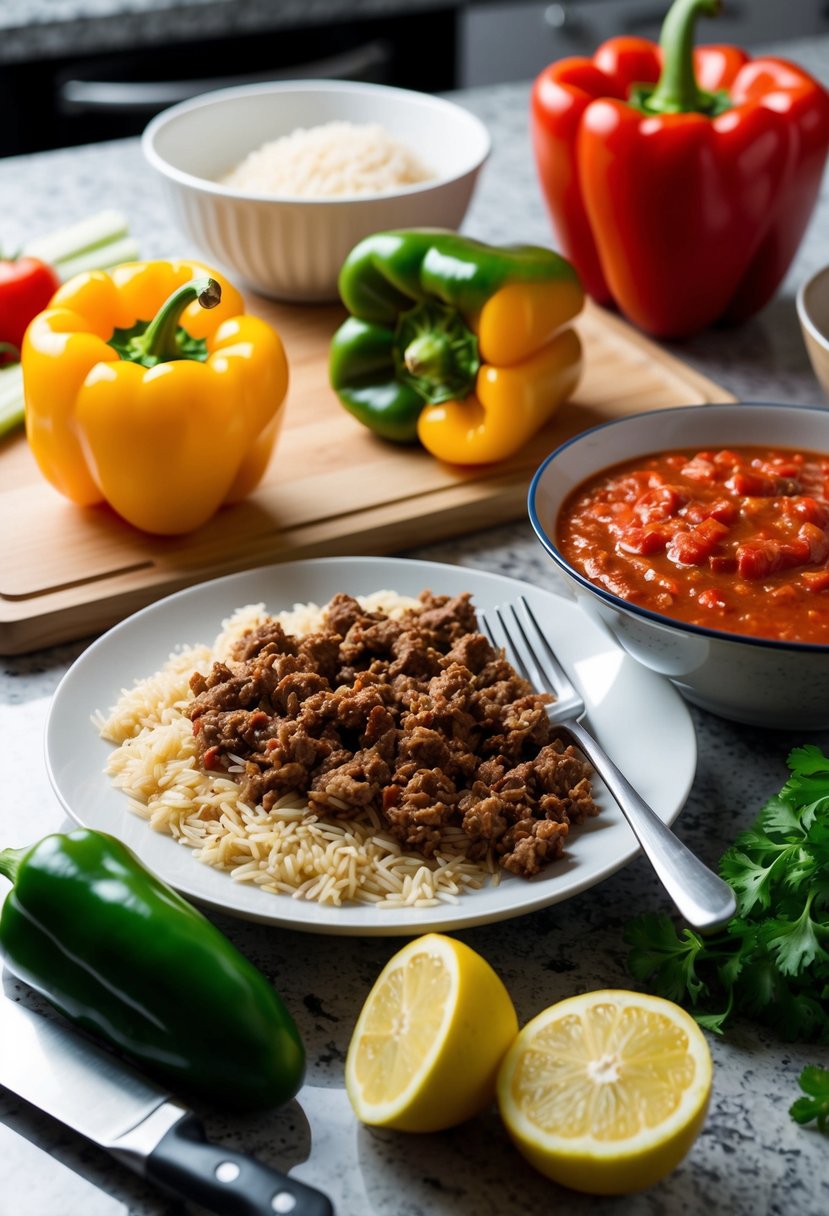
{"type": "Point", "coordinates": [703, 898]}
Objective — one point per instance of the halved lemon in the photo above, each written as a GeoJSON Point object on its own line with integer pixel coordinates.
{"type": "Point", "coordinates": [606, 1092]}
{"type": "Point", "coordinates": [425, 1052]}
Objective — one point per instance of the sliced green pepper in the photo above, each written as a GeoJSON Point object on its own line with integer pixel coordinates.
{"type": "Point", "coordinates": [123, 956]}
{"type": "Point", "coordinates": [419, 335]}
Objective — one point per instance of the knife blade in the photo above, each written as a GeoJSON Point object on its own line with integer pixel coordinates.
{"type": "Point", "coordinates": [43, 1185]}
{"type": "Point", "coordinates": [60, 1071]}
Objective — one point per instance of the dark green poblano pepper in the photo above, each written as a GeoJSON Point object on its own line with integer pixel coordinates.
{"type": "Point", "coordinates": [123, 956]}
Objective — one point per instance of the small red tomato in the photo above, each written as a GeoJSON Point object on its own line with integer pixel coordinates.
{"type": "Point", "coordinates": [26, 287]}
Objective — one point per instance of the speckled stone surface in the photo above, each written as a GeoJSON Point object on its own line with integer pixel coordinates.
{"type": "Point", "coordinates": [751, 1159]}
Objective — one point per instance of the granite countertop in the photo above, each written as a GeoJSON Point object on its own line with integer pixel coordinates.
{"type": "Point", "coordinates": [750, 1159]}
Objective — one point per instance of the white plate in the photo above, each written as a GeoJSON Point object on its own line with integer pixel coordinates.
{"type": "Point", "coordinates": [639, 717]}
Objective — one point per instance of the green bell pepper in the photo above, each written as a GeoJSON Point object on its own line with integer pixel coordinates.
{"type": "Point", "coordinates": [433, 313]}
{"type": "Point", "coordinates": [123, 956]}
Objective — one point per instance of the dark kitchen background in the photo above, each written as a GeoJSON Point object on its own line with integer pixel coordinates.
{"type": "Point", "coordinates": [79, 71]}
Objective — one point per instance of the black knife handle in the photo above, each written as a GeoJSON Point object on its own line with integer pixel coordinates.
{"type": "Point", "coordinates": [230, 1183]}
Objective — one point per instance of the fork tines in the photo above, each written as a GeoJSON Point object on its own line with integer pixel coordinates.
{"type": "Point", "coordinates": [514, 628]}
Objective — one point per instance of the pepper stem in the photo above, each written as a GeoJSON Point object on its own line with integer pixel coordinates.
{"type": "Point", "coordinates": [436, 353]}
{"type": "Point", "coordinates": [10, 860]}
{"type": "Point", "coordinates": [429, 355]}
{"type": "Point", "coordinates": [159, 342]}
{"type": "Point", "coordinates": [677, 91]}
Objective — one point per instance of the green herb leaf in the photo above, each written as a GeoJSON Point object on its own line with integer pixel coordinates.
{"type": "Point", "coordinates": [808, 761]}
{"type": "Point", "coordinates": [751, 880]}
{"type": "Point", "coordinates": [771, 962]}
{"type": "Point", "coordinates": [814, 1082]}
{"type": "Point", "coordinates": [795, 944]}
{"type": "Point", "coordinates": [715, 1022]}
{"type": "Point", "coordinates": [781, 817]}
{"type": "Point", "coordinates": [660, 953]}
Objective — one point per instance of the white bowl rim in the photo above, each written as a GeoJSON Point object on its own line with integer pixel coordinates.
{"type": "Point", "coordinates": [616, 601]}
{"type": "Point", "coordinates": [204, 100]}
{"type": "Point", "coordinates": [803, 313]}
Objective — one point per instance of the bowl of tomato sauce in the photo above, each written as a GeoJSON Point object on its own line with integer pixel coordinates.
{"type": "Point", "coordinates": [699, 535]}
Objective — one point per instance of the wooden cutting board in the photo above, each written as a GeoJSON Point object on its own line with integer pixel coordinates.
{"type": "Point", "coordinates": [332, 489]}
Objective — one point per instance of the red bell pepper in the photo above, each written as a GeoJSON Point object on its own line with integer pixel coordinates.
{"type": "Point", "coordinates": [679, 180]}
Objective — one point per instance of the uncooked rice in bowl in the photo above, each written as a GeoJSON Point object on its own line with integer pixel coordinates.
{"type": "Point", "coordinates": [330, 160]}
{"type": "Point", "coordinates": [289, 849]}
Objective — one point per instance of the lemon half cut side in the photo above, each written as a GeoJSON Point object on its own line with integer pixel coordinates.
{"type": "Point", "coordinates": [606, 1092]}
{"type": "Point", "coordinates": [429, 1039]}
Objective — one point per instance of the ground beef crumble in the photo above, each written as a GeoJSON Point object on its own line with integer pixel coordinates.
{"type": "Point", "coordinates": [420, 718]}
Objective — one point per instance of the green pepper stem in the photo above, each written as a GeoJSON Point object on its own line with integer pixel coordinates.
{"type": "Point", "coordinates": [435, 352]}
{"type": "Point", "coordinates": [429, 355]}
{"type": "Point", "coordinates": [159, 341]}
{"type": "Point", "coordinates": [677, 91]}
{"type": "Point", "coordinates": [10, 860]}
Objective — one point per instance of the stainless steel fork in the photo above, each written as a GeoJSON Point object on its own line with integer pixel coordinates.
{"type": "Point", "coordinates": [704, 900]}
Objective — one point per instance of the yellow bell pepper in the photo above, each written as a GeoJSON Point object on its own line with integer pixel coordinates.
{"type": "Point", "coordinates": [148, 388]}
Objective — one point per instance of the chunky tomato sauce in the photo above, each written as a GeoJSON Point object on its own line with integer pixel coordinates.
{"type": "Point", "coordinates": [732, 540]}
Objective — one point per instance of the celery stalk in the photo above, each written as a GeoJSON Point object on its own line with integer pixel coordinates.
{"type": "Point", "coordinates": [88, 233]}
{"type": "Point", "coordinates": [95, 243]}
{"type": "Point", "coordinates": [99, 258]}
{"type": "Point", "coordinates": [11, 398]}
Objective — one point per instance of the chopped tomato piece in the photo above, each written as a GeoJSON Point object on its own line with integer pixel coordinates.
{"type": "Point", "coordinates": [711, 597]}
{"type": "Point", "coordinates": [643, 540]}
{"type": "Point", "coordinates": [753, 484]}
{"type": "Point", "coordinates": [818, 543]}
{"type": "Point", "coordinates": [762, 556]}
{"type": "Point", "coordinates": [686, 550]}
{"type": "Point", "coordinates": [815, 580]}
{"type": "Point", "coordinates": [808, 509]}
{"type": "Point", "coordinates": [726, 512]}
{"type": "Point", "coordinates": [660, 502]}
{"type": "Point", "coordinates": [758, 559]}
{"type": "Point", "coordinates": [789, 469]}
{"type": "Point", "coordinates": [727, 457]}
{"type": "Point", "coordinates": [699, 469]}
{"type": "Point", "coordinates": [635, 484]}
{"type": "Point", "coordinates": [695, 547]}
{"type": "Point", "coordinates": [711, 530]}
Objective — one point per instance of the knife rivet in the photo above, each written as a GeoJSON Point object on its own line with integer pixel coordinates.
{"type": "Point", "coordinates": [227, 1171]}
{"type": "Point", "coordinates": [283, 1202]}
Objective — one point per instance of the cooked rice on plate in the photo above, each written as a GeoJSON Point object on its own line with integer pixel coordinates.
{"type": "Point", "coordinates": [290, 848]}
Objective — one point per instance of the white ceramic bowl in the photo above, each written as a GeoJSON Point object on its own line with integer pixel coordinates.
{"type": "Point", "coordinates": [783, 685]}
{"type": "Point", "coordinates": [813, 315]}
{"type": "Point", "coordinates": [293, 248]}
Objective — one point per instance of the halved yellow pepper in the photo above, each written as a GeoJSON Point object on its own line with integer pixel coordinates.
{"type": "Point", "coordinates": [148, 388]}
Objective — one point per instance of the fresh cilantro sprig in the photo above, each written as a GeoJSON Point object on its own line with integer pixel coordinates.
{"type": "Point", "coordinates": [814, 1082]}
{"type": "Point", "coordinates": [771, 962]}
